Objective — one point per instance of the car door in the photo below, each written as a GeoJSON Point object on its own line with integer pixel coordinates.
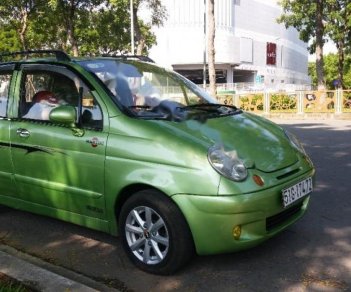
{"type": "Point", "coordinates": [7, 186]}
{"type": "Point", "coordinates": [54, 167]}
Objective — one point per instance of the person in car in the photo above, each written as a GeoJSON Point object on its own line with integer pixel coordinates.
{"type": "Point", "coordinates": [43, 103]}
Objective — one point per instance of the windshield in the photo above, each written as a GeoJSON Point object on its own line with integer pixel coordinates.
{"type": "Point", "coordinates": [147, 90]}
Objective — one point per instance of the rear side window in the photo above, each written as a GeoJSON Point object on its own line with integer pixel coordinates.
{"type": "Point", "coordinates": [5, 78]}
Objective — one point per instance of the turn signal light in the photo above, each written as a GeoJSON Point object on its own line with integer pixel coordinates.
{"type": "Point", "coordinates": [258, 180]}
{"type": "Point", "coordinates": [236, 232]}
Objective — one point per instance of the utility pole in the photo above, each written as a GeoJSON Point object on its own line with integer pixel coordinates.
{"type": "Point", "coordinates": [132, 26]}
{"type": "Point", "coordinates": [205, 46]}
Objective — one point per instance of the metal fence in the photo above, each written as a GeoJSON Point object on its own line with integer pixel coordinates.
{"type": "Point", "coordinates": [297, 102]}
{"type": "Point", "coordinates": [259, 87]}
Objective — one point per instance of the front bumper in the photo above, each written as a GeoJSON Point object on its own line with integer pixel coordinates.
{"type": "Point", "coordinates": [260, 215]}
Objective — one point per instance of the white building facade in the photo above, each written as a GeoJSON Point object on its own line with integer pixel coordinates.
{"type": "Point", "coordinates": [251, 47]}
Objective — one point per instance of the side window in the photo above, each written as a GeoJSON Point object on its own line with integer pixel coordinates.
{"type": "Point", "coordinates": [44, 90]}
{"type": "Point", "coordinates": [5, 79]}
{"type": "Point", "coordinates": [91, 112]}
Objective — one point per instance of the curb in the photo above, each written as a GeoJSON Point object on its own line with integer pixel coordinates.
{"type": "Point", "coordinates": [42, 276]}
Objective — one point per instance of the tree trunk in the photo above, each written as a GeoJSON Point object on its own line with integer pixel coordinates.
{"type": "Point", "coordinates": [211, 47]}
{"type": "Point", "coordinates": [71, 39]}
{"type": "Point", "coordinates": [70, 29]}
{"type": "Point", "coordinates": [138, 35]}
{"type": "Point", "coordinates": [23, 29]}
{"type": "Point", "coordinates": [342, 42]}
{"type": "Point", "coordinates": [341, 57]}
{"type": "Point", "coordinates": [319, 46]}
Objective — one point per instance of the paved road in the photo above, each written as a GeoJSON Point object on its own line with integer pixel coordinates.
{"type": "Point", "coordinates": [313, 255]}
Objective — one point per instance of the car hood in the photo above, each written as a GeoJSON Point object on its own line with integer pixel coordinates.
{"type": "Point", "coordinates": [260, 143]}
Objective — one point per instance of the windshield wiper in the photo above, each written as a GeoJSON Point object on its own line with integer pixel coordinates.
{"type": "Point", "coordinates": [214, 108]}
{"type": "Point", "coordinates": [146, 112]}
{"type": "Point", "coordinates": [210, 106]}
{"type": "Point", "coordinates": [174, 111]}
{"type": "Point", "coordinates": [204, 111]}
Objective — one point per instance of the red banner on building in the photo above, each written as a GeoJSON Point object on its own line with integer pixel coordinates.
{"type": "Point", "coordinates": [271, 54]}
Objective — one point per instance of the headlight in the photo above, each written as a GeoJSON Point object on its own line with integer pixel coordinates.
{"type": "Point", "coordinates": [227, 163]}
{"type": "Point", "coordinates": [295, 142]}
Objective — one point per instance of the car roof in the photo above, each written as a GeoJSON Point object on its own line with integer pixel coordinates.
{"type": "Point", "coordinates": [59, 56]}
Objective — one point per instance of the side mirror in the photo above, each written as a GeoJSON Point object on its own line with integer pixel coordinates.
{"type": "Point", "coordinates": [66, 115]}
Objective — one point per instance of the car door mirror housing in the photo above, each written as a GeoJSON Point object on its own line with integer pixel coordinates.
{"type": "Point", "coordinates": [64, 114]}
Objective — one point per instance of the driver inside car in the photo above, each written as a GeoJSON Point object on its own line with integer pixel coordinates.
{"type": "Point", "coordinates": [43, 103]}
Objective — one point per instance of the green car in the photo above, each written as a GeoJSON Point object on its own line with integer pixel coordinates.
{"type": "Point", "coordinates": [123, 146]}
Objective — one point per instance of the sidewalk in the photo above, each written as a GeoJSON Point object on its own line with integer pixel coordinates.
{"type": "Point", "coordinates": [42, 276]}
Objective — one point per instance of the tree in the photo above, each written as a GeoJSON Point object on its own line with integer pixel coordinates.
{"type": "Point", "coordinates": [331, 70]}
{"type": "Point", "coordinates": [16, 14]}
{"type": "Point", "coordinates": [211, 47]}
{"type": "Point", "coordinates": [68, 10]}
{"type": "Point", "coordinates": [339, 30]}
{"type": "Point", "coordinates": [158, 15]}
{"type": "Point", "coordinates": [308, 17]}
{"type": "Point", "coordinates": [97, 29]}
{"type": "Point", "coordinates": [46, 30]}
{"type": "Point", "coordinates": [9, 40]}
{"type": "Point", "coordinates": [106, 31]}
{"type": "Point", "coordinates": [90, 27]}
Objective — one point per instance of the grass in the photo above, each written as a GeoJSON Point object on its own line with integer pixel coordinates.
{"type": "Point", "coordinates": [8, 284]}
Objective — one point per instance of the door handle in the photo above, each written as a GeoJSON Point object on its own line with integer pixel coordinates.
{"type": "Point", "coordinates": [24, 133]}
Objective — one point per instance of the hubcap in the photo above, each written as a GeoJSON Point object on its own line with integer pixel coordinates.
{"type": "Point", "coordinates": [147, 235]}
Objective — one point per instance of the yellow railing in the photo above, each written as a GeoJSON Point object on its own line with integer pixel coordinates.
{"type": "Point", "coordinates": [346, 101]}
{"type": "Point", "coordinates": [319, 101]}
{"type": "Point", "coordinates": [300, 102]}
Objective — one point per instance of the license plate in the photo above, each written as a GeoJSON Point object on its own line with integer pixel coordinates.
{"type": "Point", "coordinates": [296, 192]}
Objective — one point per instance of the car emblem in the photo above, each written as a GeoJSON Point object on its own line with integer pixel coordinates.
{"type": "Point", "coordinates": [95, 142]}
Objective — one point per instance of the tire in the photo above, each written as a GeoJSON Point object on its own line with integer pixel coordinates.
{"type": "Point", "coordinates": [154, 233]}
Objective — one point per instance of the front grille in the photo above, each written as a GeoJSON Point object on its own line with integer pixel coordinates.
{"type": "Point", "coordinates": [278, 219]}
{"type": "Point", "coordinates": [285, 175]}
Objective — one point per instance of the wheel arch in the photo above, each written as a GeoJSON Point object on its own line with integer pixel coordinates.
{"type": "Point", "coordinates": [127, 192]}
